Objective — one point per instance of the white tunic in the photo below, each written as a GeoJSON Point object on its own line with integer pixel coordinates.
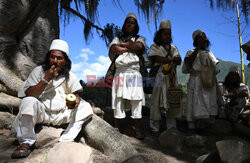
{"type": "Point", "coordinates": [201, 103]}
{"type": "Point", "coordinates": [128, 80]}
{"type": "Point", "coordinates": [51, 103]}
{"type": "Point", "coordinates": [159, 94]}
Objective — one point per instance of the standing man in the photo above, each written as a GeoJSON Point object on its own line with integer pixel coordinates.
{"type": "Point", "coordinates": [44, 101]}
{"type": "Point", "coordinates": [163, 53]}
{"type": "Point", "coordinates": [201, 101]}
{"type": "Point", "coordinates": [126, 50]}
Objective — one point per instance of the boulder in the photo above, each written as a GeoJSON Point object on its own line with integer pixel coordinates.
{"type": "Point", "coordinates": [194, 141]}
{"type": "Point", "coordinates": [6, 120]}
{"type": "Point", "coordinates": [65, 152]}
{"type": "Point", "coordinates": [233, 151]}
{"type": "Point", "coordinates": [171, 139]}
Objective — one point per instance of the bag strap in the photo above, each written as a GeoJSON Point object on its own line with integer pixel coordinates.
{"type": "Point", "coordinates": [65, 87]}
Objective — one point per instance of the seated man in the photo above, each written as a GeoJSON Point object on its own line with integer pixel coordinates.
{"type": "Point", "coordinates": [44, 101]}
{"type": "Point", "coordinates": [234, 95]}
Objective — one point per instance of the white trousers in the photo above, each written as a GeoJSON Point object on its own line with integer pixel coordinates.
{"type": "Point", "coordinates": [32, 111]}
{"type": "Point", "coordinates": [136, 109]}
{"type": "Point", "coordinates": [26, 132]}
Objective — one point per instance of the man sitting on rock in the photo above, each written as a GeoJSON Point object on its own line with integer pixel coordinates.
{"type": "Point", "coordinates": [44, 101]}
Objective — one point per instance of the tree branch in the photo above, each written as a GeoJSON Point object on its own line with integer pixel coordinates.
{"type": "Point", "coordinates": [83, 18]}
{"type": "Point", "coordinates": [10, 102]}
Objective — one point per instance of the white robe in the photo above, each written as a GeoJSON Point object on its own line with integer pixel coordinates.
{"type": "Point", "coordinates": [159, 94]}
{"type": "Point", "coordinates": [50, 107]}
{"type": "Point", "coordinates": [201, 103]}
{"type": "Point", "coordinates": [127, 83]}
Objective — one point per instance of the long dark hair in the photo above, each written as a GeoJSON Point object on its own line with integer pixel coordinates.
{"type": "Point", "coordinates": [124, 33]}
{"type": "Point", "coordinates": [228, 84]}
{"type": "Point", "coordinates": [157, 38]}
{"type": "Point", "coordinates": [196, 42]}
{"type": "Point", "coordinates": [65, 72]}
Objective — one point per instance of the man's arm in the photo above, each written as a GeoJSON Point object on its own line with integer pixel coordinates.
{"type": "Point", "coordinates": [117, 49]}
{"type": "Point", "coordinates": [134, 47]}
{"type": "Point", "coordinates": [36, 90]}
{"type": "Point", "coordinates": [164, 60]}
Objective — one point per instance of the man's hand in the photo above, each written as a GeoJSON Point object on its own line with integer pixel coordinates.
{"type": "Point", "coordinates": [76, 104]}
{"type": "Point", "coordinates": [51, 73]}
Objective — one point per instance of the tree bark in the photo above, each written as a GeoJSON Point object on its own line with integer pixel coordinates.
{"type": "Point", "coordinates": [102, 136]}
{"type": "Point", "coordinates": [8, 101]}
{"type": "Point", "coordinates": [9, 79]}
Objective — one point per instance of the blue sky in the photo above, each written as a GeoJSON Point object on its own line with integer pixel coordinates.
{"type": "Point", "coordinates": [185, 15]}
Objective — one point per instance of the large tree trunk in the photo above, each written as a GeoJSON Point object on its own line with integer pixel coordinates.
{"type": "Point", "coordinates": [27, 28]}
{"type": "Point", "coordinates": [100, 135]}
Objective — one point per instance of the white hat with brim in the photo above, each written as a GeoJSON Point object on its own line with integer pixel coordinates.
{"type": "Point", "coordinates": [61, 45]}
{"type": "Point", "coordinates": [196, 33]}
{"type": "Point", "coordinates": [165, 24]}
{"type": "Point", "coordinates": [131, 15]}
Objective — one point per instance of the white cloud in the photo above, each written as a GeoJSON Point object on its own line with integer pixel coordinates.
{"type": "Point", "coordinates": [76, 67]}
{"type": "Point", "coordinates": [84, 68]}
{"type": "Point", "coordinates": [87, 50]}
{"type": "Point", "coordinates": [84, 56]}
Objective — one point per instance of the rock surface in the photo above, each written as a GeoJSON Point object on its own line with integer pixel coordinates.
{"type": "Point", "coordinates": [233, 151]}
{"type": "Point", "coordinates": [69, 152]}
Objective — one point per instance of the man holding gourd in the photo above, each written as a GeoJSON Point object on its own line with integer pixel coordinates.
{"type": "Point", "coordinates": [200, 63]}
{"type": "Point", "coordinates": [50, 96]}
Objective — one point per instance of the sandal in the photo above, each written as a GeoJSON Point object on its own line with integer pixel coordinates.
{"type": "Point", "coordinates": [21, 151]}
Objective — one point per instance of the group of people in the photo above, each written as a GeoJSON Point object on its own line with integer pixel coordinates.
{"type": "Point", "coordinates": [45, 89]}
{"type": "Point", "coordinates": [204, 94]}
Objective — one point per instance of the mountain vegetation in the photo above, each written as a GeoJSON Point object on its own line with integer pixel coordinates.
{"type": "Point", "coordinates": [223, 66]}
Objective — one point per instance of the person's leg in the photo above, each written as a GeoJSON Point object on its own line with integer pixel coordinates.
{"type": "Point", "coordinates": [154, 126]}
{"type": "Point", "coordinates": [119, 113]}
{"type": "Point", "coordinates": [25, 131]}
{"type": "Point", "coordinates": [171, 123]}
{"type": "Point", "coordinates": [80, 115]}
{"type": "Point", "coordinates": [29, 115]}
{"type": "Point", "coordinates": [136, 115]}
{"type": "Point", "coordinates": [155, 114]}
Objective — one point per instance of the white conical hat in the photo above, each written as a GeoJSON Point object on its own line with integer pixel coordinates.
{"type": "Point", "coordinates": [61, 45]}
{"type": "Point", "coordinates": [165, 24]}
{"type": "Point", "coordinates": [131, 15]}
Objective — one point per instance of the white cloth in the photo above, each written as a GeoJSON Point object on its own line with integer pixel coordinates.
{"type": "Point", "coordinates": [162, 52]}
{"type": "Point", "coordinates": [50, 107]}
{"type": "Point", "coordinates": [26, 133]}
{"type": "Point", "coordinates": [159, 94]}
{"type": "Point", "coordinates": [136, 108]}
{"type": "Point", "coordinates": [201, 103]}
{"type": "Point", "coordinates": [53, 97]}
{"type": "Point", "coordinates": [128, 84]}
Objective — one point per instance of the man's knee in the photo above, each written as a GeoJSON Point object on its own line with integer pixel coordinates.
{"type": "Point", "coordinates": [29, 99]}
{"type": "Point", "coordinates": [29, 104]}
